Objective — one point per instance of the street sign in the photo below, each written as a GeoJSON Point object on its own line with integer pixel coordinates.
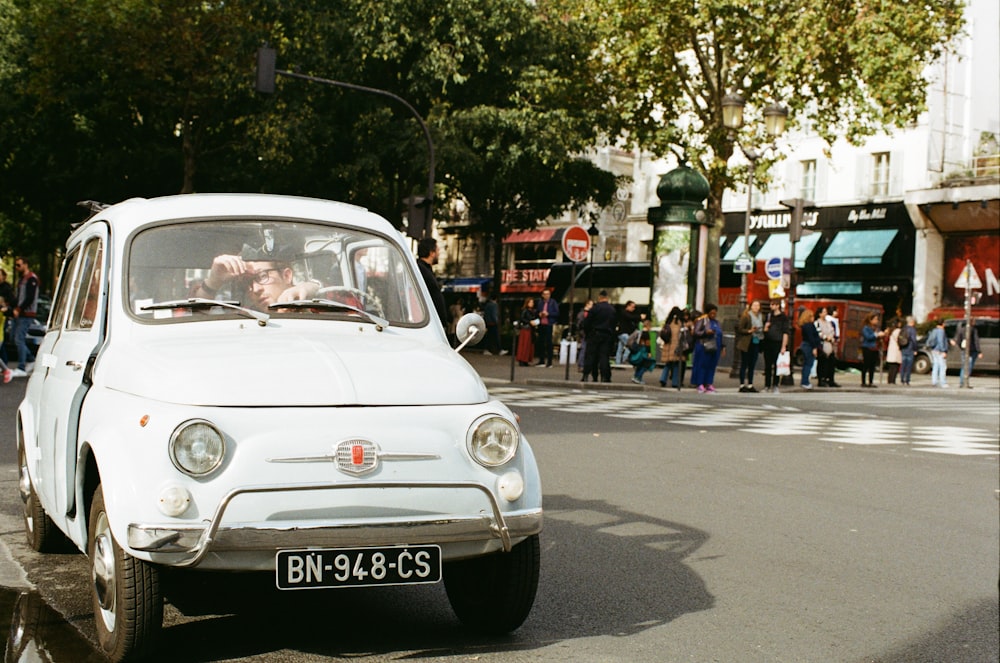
{"type": "Point", "coordinates": [774, 268]}
{"type": "Point", "coordinates": [743, 264]}
{"type": "Point", "coordinates": [576, 243]}
{"type": "Point", "coordinates": [969, 278]}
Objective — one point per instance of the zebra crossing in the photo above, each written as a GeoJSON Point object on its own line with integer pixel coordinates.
{"type": "Point", "coordinates": [847, 428]}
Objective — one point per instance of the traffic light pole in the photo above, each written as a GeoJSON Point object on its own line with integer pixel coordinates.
{"type": "Point", "coordinates": [267, 72]}
{"type": "Point", "coordinates": [798, 207]}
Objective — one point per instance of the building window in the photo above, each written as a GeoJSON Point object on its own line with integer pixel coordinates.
{"type": "Point", "coordinates": [880, 174]}
{"type": "Point", "coordinates": [808, 191]}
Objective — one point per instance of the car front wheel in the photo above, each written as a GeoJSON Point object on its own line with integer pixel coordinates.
{"type": "Point", "coordinates": [494, 593]}
{"type": "Point", "coordinates": [128, 604]}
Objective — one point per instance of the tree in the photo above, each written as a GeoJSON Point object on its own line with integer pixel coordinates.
{"type": "Point", "coordinates": [850, 69]}
{"type": "Point", "coordinates": [507, 90]}
{"type": "Point", "coordinates": [114, 100]}
{"type": "Point", "coordinates": [167, 106]}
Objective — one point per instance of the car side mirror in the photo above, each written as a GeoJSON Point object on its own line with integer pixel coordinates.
{"type": "Point", "coordinates": [470, 329]}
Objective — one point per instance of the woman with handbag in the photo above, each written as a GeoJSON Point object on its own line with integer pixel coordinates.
{"type": "Point", "coordinates": [871, 335]}
{"type": "Point", "coordinates": [776, 332]}
{"type": "Point", "coordinates": [708, 347]}
{"type": "Point", "coordinates": [673, 348]}
{"type": "Point", "coordinates": [893, 353]}
{"type": "Point", "coordinates": [525, 353]}
{"type": "Point", "coordinates": [749, 334]}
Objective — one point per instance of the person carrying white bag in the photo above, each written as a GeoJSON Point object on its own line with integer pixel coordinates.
{"type": "Point", "coordinates": [776, 333]}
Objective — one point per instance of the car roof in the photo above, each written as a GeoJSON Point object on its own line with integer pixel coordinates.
{"type": "Point", "coordinates": [136, 212]}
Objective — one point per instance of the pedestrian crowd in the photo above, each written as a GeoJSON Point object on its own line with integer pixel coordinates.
{"type": "Point", "coordinates": [18, 309]}
{"type": "Point", "coordinates": [690, 343]}
{"type": "Point", "coordinates": [603, 334]}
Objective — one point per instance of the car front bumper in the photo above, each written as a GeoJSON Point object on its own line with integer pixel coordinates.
{"type": "Point", "coordinates": [251, 545]}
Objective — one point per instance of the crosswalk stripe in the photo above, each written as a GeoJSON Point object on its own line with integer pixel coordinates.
{"type": "Point", "coordinates": [769, 418]}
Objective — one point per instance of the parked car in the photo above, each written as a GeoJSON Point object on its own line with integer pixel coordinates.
{"type": "Point", "coordinates": [36, 330]}
{"type": "Point", "coordinates": [250, 383]}
{"type": "Point", "coordinates": [989, 342]}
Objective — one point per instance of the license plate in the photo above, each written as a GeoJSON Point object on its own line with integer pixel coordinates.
{"type": "Point", "coordinates": [358, 567]}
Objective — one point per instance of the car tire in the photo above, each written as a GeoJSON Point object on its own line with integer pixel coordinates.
{"type": "Point", "coordinates": [494, 594]}
{"type": "Point", "coordinates": [125, 592]}
{"type": "Point", "coordinates": [922, 364]}
{"type": "Point", "coordinates": [42, 534]}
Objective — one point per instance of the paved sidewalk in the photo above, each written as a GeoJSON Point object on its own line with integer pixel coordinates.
{"type": "Point", "coordinates": [497, 369]}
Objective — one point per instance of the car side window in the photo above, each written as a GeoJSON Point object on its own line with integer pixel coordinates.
{"type": "Point", "coordinates": [988, 328]}
{"type": "Point", "coordinates": [86, 304]}
{"type": "Point", "coordinates": [64, 289]}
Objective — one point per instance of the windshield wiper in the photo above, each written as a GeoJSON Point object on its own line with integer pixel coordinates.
{"type": "Point", "coordinates": [198, 302]}
{"type": "Point", "coordinates": [380, 323]}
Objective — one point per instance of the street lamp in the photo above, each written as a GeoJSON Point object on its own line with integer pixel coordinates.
{"type": "Point", "coordinates": [593, 232]}
{"type": "Point", "coordinates": [774, 125]}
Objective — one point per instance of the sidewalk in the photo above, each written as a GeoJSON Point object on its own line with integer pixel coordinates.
{"type": "Point", "coordinates": [497, 370]}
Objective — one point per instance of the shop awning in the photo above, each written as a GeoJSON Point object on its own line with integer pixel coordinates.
{"type": "Point", "coordinates": [778, 245]}
{"type": "Point", "coordinates": [814, 288]}
{"type": "Point", "coordinates": [536, 236]}
{"type": "Point", "coordinates": [466, 284]}
{"type": "Point", "coordinates": [599, 276]}
{"type": "Point", "coordinates": [859, 247]}
{"type": "Point", "coordinates": [737, 248]}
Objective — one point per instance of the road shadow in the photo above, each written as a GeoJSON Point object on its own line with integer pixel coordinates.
{"type": "Point", "coordinates": [968, 635]}
{"type": "Point", "coordinates": [604, 571]}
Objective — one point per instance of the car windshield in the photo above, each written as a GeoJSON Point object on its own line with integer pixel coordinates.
{"type": "Point", "coordinates": [176, 272]}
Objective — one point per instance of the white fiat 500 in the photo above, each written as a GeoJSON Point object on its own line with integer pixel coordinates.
{"type": "Point", "coordinates": [260, 383]}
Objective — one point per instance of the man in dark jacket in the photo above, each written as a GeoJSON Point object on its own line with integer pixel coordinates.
{"type": "Point", "coordinates": [24, 312]}
{"type": "Point", "coordinates": [974, 351]}
{"type": "Point", "coordinates": [628, 322]}
{"type": "Point", "coordinates": [776, 334]}
{"type": "Point", "coordinates": [599, 329]}
{"type": "Point", "coordinates": [427, 257]}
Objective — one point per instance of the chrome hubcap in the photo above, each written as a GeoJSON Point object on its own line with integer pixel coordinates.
{"type": "Point", "coordinates": [103, 571]}
{"type": "Point", "coordinates": [24, 488]}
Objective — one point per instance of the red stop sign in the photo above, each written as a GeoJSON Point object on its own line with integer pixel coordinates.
{"type": "Point", "coordinates": [576, 243]}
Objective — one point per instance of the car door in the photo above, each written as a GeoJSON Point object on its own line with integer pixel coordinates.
{"type": "Point", "coordinates": [67, 363]}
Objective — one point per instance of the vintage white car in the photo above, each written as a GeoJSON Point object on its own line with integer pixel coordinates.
{"type": "Point", "coordinates": [259, 383]}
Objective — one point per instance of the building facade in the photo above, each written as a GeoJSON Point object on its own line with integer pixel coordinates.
{"type": "Point", "coordinates": [895, 219]}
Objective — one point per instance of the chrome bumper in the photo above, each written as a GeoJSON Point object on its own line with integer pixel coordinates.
{"type": "Point", "coordinates": [262, 536]}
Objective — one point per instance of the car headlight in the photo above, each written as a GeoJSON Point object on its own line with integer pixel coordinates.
{"type": "Point", "coordinates": [197, 447]}
{"type": "Point", "coordinates": [492, 440]}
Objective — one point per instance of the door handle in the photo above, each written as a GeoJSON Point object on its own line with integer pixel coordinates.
{"type": "Point", "coordinates": [75, 365]}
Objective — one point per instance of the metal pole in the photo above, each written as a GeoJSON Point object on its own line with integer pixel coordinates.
{"type": "Point", "coordinates": [744, 285]}
{"type": "Point", "coordinates": [734, 370]}
{"type": "Point", "coordinates": [792, 318]}
{"type": "Point", "coordinates": [513, 347]}
{"type": "Point", "coordinates": [385, 93]}
{"type": "Point", "coordinates": [572, 318]}
{"type": "Point", "coordinates": [966, 347]}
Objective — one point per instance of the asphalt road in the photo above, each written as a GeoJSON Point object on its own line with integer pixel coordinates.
{"type": "Point", "coordinates": [816, 527]}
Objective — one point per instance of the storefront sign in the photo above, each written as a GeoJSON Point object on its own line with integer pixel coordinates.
{"type": "Point", "coordinates": [523, 280]}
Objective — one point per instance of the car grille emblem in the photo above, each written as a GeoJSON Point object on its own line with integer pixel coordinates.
{"type": "Point", "coordinates": [357, 456]}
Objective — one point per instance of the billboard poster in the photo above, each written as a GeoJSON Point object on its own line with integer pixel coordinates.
{"type": "Point", "coordinates": [984, 252]}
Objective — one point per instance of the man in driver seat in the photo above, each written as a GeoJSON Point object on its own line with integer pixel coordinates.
{"type": "Point", "coordinates": [266, 277]}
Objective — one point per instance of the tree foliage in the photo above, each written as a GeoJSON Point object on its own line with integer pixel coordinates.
{"type": "Point", "coordinates": [135, 98]}
{"type": "Point", "coordinates": [849, 69]}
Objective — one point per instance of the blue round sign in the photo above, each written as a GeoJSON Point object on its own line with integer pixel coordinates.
{"type": "Point", "coordinates": [773, 268]}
